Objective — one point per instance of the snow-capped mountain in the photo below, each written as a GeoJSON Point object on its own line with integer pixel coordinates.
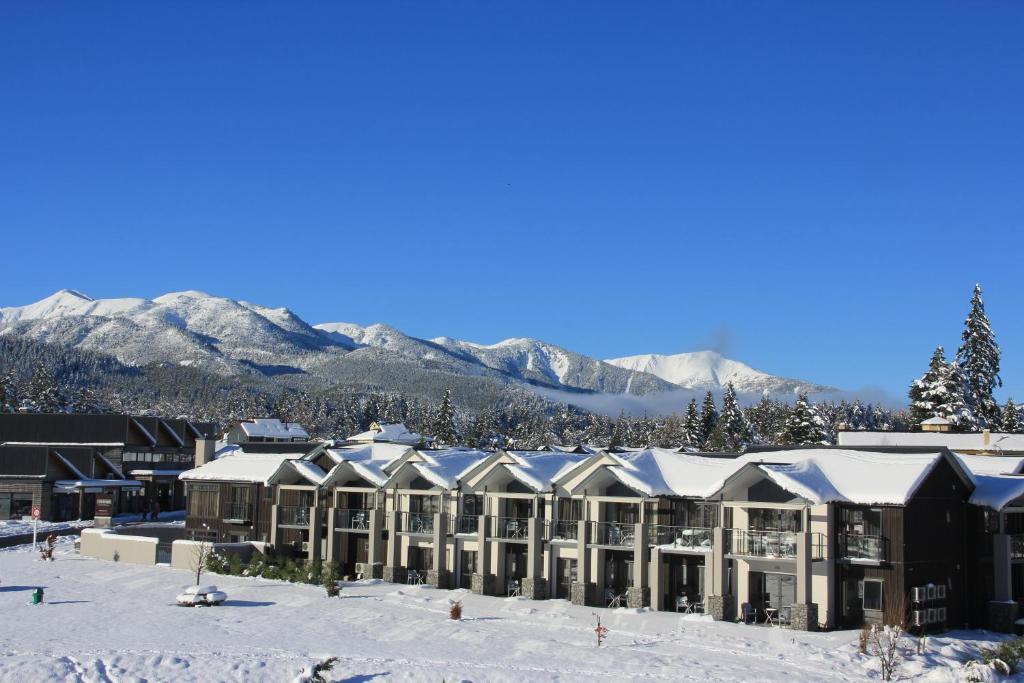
{"type": "Point", "coordinates": [231, 337]}
{"type": "Point", "coordinates": [711, 370]}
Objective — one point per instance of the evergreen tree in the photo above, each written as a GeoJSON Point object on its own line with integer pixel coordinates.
{"type": "Point", "coordinates": [1011, 418]}
{"type": "Point", "coordinates": [619, 433]}
{"type": "Point", "coordinates": [735, 430]}
{"type": "Point", "coordinates": [43, 395]}
{"type": "Point", "coordinates": [691, 425]}
{"type": "Point", "coordinates": [443, 429]}
{"type": "Point", "coordinates": [9, 392]}
{"type": "Point", "coordinates": [804, 425]}
{"type": "Point", "coordinates": [978, 357]}
{"type": "Point", "coordinates": [940, 393]}
{"type": "Point", "coordinates": [708, 419]}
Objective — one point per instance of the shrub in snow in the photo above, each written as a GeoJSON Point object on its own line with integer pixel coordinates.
{"type": "Point", "coordinates": [455, 609]}
{"type": "Point", "coordinates": [862, 639]}
{"type": "Point", "coordinates": [885, 644]}
{"type": "Point", "coordinates": [1006, 657]}
{"type": "Point", "coordinates": [602, 632]}
{"type": "Point", "coordinates": [234, 564]}
{"type": "Point", "coordinates": [330, 578]}
{"type": "Point", "coordinates": [315, 673]}
{"type": "Point", "coordinates": [977, 672]}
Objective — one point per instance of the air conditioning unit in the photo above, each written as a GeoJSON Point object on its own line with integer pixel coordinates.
{"type": "Point", "coordinates": [931, 591]}
{"type": "Point", "coordinates": [917, 617]}
{"type": "Point", "coordinates": [932, 614]}
{"type": "Point", "coordinates": [917, 594]}
{"type": "Point", "coordinates": [940, 592]}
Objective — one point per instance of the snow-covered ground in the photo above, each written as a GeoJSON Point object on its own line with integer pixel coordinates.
{"type": "Point", "coordinates": [104, 621]}
{"type": "Point", "coordinates": [17, 527]}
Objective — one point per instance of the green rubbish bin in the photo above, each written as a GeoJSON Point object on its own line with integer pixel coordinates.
{"type": "Point", "coordinates": [37, 596]}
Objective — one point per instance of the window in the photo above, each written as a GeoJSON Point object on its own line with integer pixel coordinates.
{"type": "Point", "coordinates": [872, 595]}
{"type": "Point", "coordinates": [203, 501]}
{"type": "Point", "coordinates": [770, 519]}
{"type": "Point", "coordinates": [15, 505]}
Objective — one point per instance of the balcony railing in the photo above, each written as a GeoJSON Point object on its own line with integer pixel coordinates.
{"type": "Point", "coordinates": [685, 537]}
{"type": "Point", "coordinates": [622, 534]}
{"type": "Point", "coordinates": [416, 522]}
{"type": "Point", "coordinates": [860, 547]}
{"type": "Point", "coordinates": [292, 515]}
{"type": "Point", "coordinates": [352, 519]}
{"type": "Point", "coordinates": [515, 528]}
{"type": "Point", "coordinates": [465, 524]}
{"type": "Point", "coordinates": [778, 544]}
{"type": "Point", "coordinates": [563, 530]}
{"type": "Point", "coordinates": [1017, 547]}
{"type": "Point", "coordinates": [238, 512]}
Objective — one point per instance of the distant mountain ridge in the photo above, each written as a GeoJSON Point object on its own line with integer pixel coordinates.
{"type": "Point", "coordinates": [231, 337]}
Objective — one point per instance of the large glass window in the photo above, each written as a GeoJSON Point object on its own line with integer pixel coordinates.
{"type": "Point", "coordinates": [15, 505]}
{"type": "Point", "coordinates": [862, 521]}
{"type": "Point", "coordinates": [203, 500]}
{"type": "Point", "coordinates": [693, 513]}
{"type": "Point", "coordinates": [872, 598]}
{"type": "Point", "coordinates": [771, 519]}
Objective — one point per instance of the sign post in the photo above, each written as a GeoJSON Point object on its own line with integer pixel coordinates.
{"type": "Point", "coordinates": [35, 523]}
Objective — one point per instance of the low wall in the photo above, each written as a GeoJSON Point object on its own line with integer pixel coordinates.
{"type": "Point", "coordinates": [108, 545]}
{"type": "Point", "coordinates": [184, 554]}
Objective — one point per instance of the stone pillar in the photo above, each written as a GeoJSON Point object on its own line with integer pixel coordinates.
{"type": "Point", "coordinates": [654, 572]}
{"type": "Point", "coordinates": [315, 534]}
{"type": "Point", "coordinates": [581, 591]}
{"type": "Point", "coordinates": [482, 582]}
{"type": "Point", "coordinates": [719, 603]}
{"type": "Point", "coordinates": [535, 585]}
{"type": "Point", "coordinates": [804, 615]}
{"type": "Point", "coordinates": [394, 571]}
{"type": "Point", "coordinates": [638, 595]}
{"type": "Point", "coordinates": [437, 575]}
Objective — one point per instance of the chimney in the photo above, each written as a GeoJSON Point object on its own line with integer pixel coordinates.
{"type": "Point", "coordinates": [204, 451]}
{"type": "Point", "coordinates": [986, 437]}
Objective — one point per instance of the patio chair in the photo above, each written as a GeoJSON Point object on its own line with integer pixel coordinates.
{"type": "Point", "coordinates": [612, 598]}
{"type": "Point", "coordinates": [683, 605]}
{"type": "Point", "coordinates": [748, 613]}
{"type": "Point", "coordinates": [359, 520]}
{"type": "Point", "coordinates": [513, 589]}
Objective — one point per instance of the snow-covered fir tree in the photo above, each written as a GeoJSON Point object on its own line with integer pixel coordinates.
{"type": "Point", "coordinates": [708, 419]}
{"type": "Point", "coordinates": [978, 358]}
{"type": "Point", "coordinates": [444, 429]}
{"type": "Point", "coordinates": [43, 394]}
{"type": "Point", "coordinates": [8, 392]}
{"type": "Point", "coordinates": [940, 393]}
{"type": "Point", "coordinates": [732, 423]}
{"type": "Point", "coordinates": [1010, 417]}
{"type": "Point", "coordinates": [804, 425]}
{"type": "Point", "coordinates": [691, 425]}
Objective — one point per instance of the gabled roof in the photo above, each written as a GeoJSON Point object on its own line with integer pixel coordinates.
{"type": "Point", "coordinates": [388, 433]}
{"type": "Point", "coordinates": [234, 464]}
{"type": "Point", "coordinates": [662, 472]}
{"type": "Point", "coordinates": [540, 469]}
{"type": "Point", "coordinates": [367, 461]}
{"type": "Point", "coordinates": [272, 428]}
{"type": "Point", "coordinates": [442, 468]}
{"type": "Point", "coordinates": [827, 475]}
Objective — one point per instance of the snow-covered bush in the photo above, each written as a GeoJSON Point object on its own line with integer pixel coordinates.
{"type": "Point", "coordinates": [977, 672]}
{"type": "Point", "coordinates": [1006, 657]}
{"type": "Point", "coordinates": [885, 644]}
{"type": "Point", "coordinates": [330, 579]}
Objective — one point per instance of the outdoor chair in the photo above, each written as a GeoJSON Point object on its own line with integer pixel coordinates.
{"type": "Point", "coordinates": [612, 598]}
{"type": "Point", "coordinates": [683, 605]}
{"type": "Point", "coordinates": [513, 588]}
{"type": "Point", "coordinates": [359, 520]}
{"type": "Point", "coordinates": [748, 613]}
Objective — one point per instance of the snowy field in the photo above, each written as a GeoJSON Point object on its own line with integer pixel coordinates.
{"type": "Point", "coordinates": [104, 621]}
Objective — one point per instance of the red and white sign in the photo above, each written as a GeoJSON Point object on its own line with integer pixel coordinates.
{"type": "Point", "coordinates": [36, 512]}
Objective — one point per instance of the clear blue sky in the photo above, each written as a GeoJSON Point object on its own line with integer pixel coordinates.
{"type": "Point", "coordinates": [819, 183]}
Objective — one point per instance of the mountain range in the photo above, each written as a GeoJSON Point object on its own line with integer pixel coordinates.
{"type": "Point", "coordinates": [229, 337]}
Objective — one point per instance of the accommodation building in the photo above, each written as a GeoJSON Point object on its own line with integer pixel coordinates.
{"type": "Point", "coordinates": [389, 433]}
{"type": "Point", "coordinates": [60, 462]}
{"type": "Point", "coordinates": [265, 430]}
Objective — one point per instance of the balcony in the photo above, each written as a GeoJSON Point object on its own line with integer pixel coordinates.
{"type": "Point", "coordinates": [854, 547]}
{"type": "Point", "coordinates": [421, 523]}
{"type": "Point", "coordinates": [511, 528]}
{"type": "Point", "coordinates": [563, 530]}
{"type": "Point", "coordinates": [699, 539]}
{"type": "Point", "coordinates": [773, 544]}
{"type": "Point", "coordinates": [353, 519]}
{"type": "Point", "coordinates": [238, 513]}
{"type": "Point", "coordinates": [293, 515]}
{"type": "Point", "coordinates": [617, 534]}
{"type": "Point", "coordinates": [465, 524]}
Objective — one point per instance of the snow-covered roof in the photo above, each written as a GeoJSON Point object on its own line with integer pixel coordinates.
{"type": "Point", "coordinates": [539, 469]}
{"type": "Point", "coordinates": [273, 428]}
{"type": "Point", "coordinates": [991, 464]}
{"type": "Point", "coordinates": [840, 475]}
{"type": "Point", "coordinates": [234, 464]}
{"type": "Point", "coordinates": [313, 473]}
{"type": "Point", "coordinates": [445, 468]}
{"type": "Point", "coordinates": [368, 452]}
{"type": "Point", "coordinates": [388, 433]}
{"type": "Point", "coordinates": [664, 472]}
{"type": "Point", "coordinates": [936, 421]}
{"type": "Point", "coordinates": [997, 491]}
{"type": "Point", "coordinates": [994, 442]}
{"type": "Point", "coordinates": [67, 485]}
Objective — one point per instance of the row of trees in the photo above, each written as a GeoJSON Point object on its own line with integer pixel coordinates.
{"type": "Point", "coordinates": [961, 390]}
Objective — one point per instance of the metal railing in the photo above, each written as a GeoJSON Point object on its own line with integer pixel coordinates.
{"type": "Point", "coordinates": [238, 511]}
{"type": "Point", "coordinates": [352, 518]}
{"type": "Point", "coordinates": [511, 527]}
{"type": "Point", "coordinates": [861, 547]}
{"type": "Point", "coordinates": [691, 538]}
{"type": "Point", "coordinates": [780, 544]}
{"type": "Point", "coordinates": [613, 533]}
{"type": "Point", "coordinates": [292, 515]}
{"type": "Point", "coordinates": [416, 522]}
{"type": "Point", "coordinates": [563, 530]}
{"type": "Point", "coordinates": [465, 524]}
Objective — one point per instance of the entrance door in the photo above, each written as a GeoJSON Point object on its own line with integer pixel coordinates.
{"type": "Point", "coordinates": [515, 565]}
{"type": "Point", "coordinates": [779, 590]}
{"type": "Point", "coordinates": [467, 567]}
{"type": "Point", "coordinates": [566, 576]}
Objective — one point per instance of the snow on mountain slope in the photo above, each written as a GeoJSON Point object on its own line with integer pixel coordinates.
{"type": "Point", "coordinates": [711, 370]}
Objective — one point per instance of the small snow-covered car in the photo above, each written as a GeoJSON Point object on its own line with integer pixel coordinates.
{"type": "Point", "coordinates": [201, 596]}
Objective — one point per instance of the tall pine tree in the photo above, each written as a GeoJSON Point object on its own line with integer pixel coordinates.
{"type": "Point", "coordinates": [691, 425]}
{"type": "Point", "coordinates": [444, 429]}
{"type": "Point", "coordinates": [940, 393]}
{"type": "Point", "coordinates": [735, 430]}
{"type": "Point", "coordinates": [804, 425]}
{"type": "Point", "coordinates": [708, 419]}
{"type": "Point", "coordinates": [1011, 417]}
{"type": "Point", "coordinates": [978, 358]}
